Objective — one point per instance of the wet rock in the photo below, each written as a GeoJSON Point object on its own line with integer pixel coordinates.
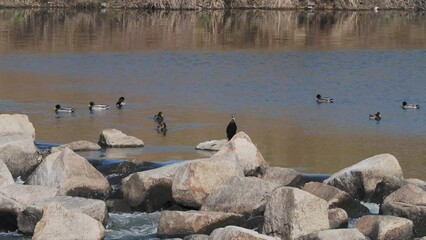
{"type": "Point", "coordinates": [71, 174]}
{"type": "Point", "coordinates": [360, 180]}
{"type": "Point", "coordinates": [243, 195]}
{"type": "Point", "coordinates": [293, 213]}
{"type": "Point", "coordinates": [338, 218]}
{"type": "Point", "coordinates": [248, 156]}
{"type": "Point", "coordinates": [28, 218]}
{"type": "Point", "coordinates": [17, 149]}
{"type": "Point", "coordinates": [385, 227]}
{"type": "Point", "coordinates": [78, 146]}
{"type": "Point", "coordinates": [180, 224]}
{"type": "Point", "coordinates": [59, 222]}
{"type": "Point", "coordinates": [346, 234]}
{"type": "Point", "coordinates": [5, 175]}
{"type": "Point", "coordinates": [196, 237]}
{"type": "Point", "coordinates": [408, 202]}
{"type": "Point", "coordinates": [116, 138]}
{"type": "Point", "coordinates": [390, 184]}
{"type": "Point", "coordinates": [237, 233]}
{"type": "Point", "coordinates": [282, 176]}
{"type": "Point", "coordinates": [336, 198]}
{"type": "Point", "coordinates": [212, 145]}
{"type": "Point", "coordinates": [194, 181]}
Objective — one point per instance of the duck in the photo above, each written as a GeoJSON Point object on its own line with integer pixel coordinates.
{"type": "Point", "coordinates": [120, 102]}
{"type": "Point", "coordinates": [162, 128]}
{"type": "Point", "coordinates": [321, 99]}
{"type": "Point", "coordinates": [375, 116]}
{"type": "Point", "coordinates": [159, 117]}
{"type": "Point", "coordinates": [93, 106]}
{"type": "Point", "coordinates": [60, 109]}
{"type": "Point", "coordinates": [406, 105]}
{"type": "Point", "coordinates": [231, 129]}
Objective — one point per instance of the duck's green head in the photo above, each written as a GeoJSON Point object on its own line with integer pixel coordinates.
{"type": "Point", "coordinates": [91, 104]}
{"type": "Point", "coordinates": [57, 107]}
{"type": "Point", "coordinates": [318, 96]}
{"type": "Point", "coordinates": [121, 99]}
{"type": "Point", "coordinates": [404, 103]}
{"type": "Point", "coordinates": [160, 114]}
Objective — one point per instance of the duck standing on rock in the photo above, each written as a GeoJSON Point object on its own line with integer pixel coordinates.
{"type": "Point", "coordinates": [159, 117]}
{"type": "Point", "coordinates": [162, 128]}
{"type": "Point", "coordinates": [120, 103]}
{"type": "Point", "coordinates": [406, 105]}
{"type": "Point", "coordinates": [59, 109]}
{"type": "Point", "coordinates": [98, 107]}
{"type": "Point", "coordinates": [375, 116]}
{"type": "Point", "coordinates": [321, 99]}
{"type": "Point", "coordinates": [231, 129]}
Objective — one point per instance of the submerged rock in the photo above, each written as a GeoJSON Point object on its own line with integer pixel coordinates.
{"type": "Point", "coordinates": [212, 145]}
{"type": "Point", "coordinates": [5, 175]}
{"type": "Point", "coordinates": [282, 176]}
{"type": "Point", "coordinates": [237, 233]}
{"type": "Point", "coordinates": [116, 138]}
{"type": "Point", "coordinates": [385, 227]}
{"type": "Point", "coordinates": [78, 146]}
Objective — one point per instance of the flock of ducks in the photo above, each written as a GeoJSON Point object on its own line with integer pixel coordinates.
{"type": "Point", "coordinates": [373, 116]}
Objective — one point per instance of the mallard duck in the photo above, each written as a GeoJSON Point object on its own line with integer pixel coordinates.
{"type": "Point", "coordinates": [162, 128]}
{"type": "Point", "coordinates": [406, 105]}
{"type": "Point", "coordinates": [324, 99]}
{"type": "Point", "coordinates": [60, 109]}
{"type": "Point", "coordinates": [93, 106]}
{"type": "Point", "coordinates": [120, 102]}
{"type": "Point", "coordinates": [231, 129]}
{"type": "Point", "coordinates": [375, 116]}
{"type": "Point", "coordinates": [159, 117]}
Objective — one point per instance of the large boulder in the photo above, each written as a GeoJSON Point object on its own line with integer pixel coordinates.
{"type": "Point", "coordinates": [5, 175]}
{"type": "Point", "coordinates": [180, 224]}
{"type": "Point", "coordinates": [212, 145]}
{"type": "Point", "coordinates": [28, 218]}
{"type": "Point", "coordinates": [116, 138]}
{"type": "Point", "coordinates": [17, 149]}
{"type": "Point", "coordinates": [71, 174]}
{"type": "Point", "coordinates": [360, 180]}
{"type": "Point", "coordinates": [237, 233]}
{"type": "Point", "coordinates": [408, 202]}
{"type": "Point", "coordinates": [282, 176]}
{"type": "Point", "coordinates": [151, 190]}
{"type": "Point", "coordinates": [292, 213]}
{"type": "Point", "coordinates": [338, 218]}
{"type": "Point", "coordinates": [385, 227]}
{"type": "Point", "coordinates": [337, 234]}
{"type": "Point", "coordinates": [60, 223]}
{"type": "Point", "coordinates": [336, 198]}
{"type": "Point", "coordinates": [78, 146]}
{"type": "Point", "coordinates": [243, 195]}
{"type": "Point", "coordinates": [194, 181]}
{"type": "Point", "coordinates": [389, 185]}
{"type": "Point", "coordinates": [248, 156]}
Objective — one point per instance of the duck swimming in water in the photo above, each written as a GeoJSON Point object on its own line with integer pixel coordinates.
{"type": "Point", "coordinates": [120, 102]}
{"type": "Point", "coordinates": [375, 116]}
{"type": "Point", "coordinates": [231, 129]}
{"type": "Point", "coordinates": [98, 107]}
{"type": "Point", "coordinates": [162, 128]}
{"type": "Point", "coordinates": [60, 109]}
{"type": "Point", "coordinates": [321, 99]}
{"type": "Point", "coordinates": [406, 105]}
{"type": "Point", "coordinates": [159, 117]}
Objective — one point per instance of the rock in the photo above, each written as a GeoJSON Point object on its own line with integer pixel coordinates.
{"type": "Point", "coordinates": [151, 190]}
{"type": "Point", "coordinates": [346, 234]}
{"type": "Point", "coordinates": [293, 213]}
{"type": "Point", "coordinates": [9, 210]}
{"type": "Point", "coordinates": [282, 176]}
{"type": "Point", "coordinates": [248, 156]}
{"type": "Point", "coordinates": [194, 181]}
{"type": "Point", "coordinates": [237, 233]}
{"type": "Point", "coordinates": [116, 138]}
{"type": "Point", "coordinates": [360, 180]}
{"type": "Point", "coordinates": [196, 237]}
{"type": "Point", "coordinates": [5, 175]}
{"type": "Point", "coordinates": [338, 218]}
{"type": "Point", "coordinates": [178, 224]}
{"type": "Point", "coordinates": [390, 184]}
{"type": "Point", "coordinates": [58, 222]}
{"type": "Point", "coordinates": [212, 145]}
{"type": "Point", "coordinates": [242, 195]}
{"type": "Point", "coordinates": [71, 174]}
{"type": "Point", "coordinates": [17, 149]}
{"type": "Point", "coordinates": [28, 218]}
{"type": "Point", "coordinates": [336, 198]}
{"type": "Point", "coordinates": [408, 202]}
{"type": "Point", "coordinates": [78, 146]}
{"type": "Point", "coordinates": [385, 227]}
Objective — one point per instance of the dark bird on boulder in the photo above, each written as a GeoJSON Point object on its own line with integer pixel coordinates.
{"type": "Point", "coordinates": [231, 129]}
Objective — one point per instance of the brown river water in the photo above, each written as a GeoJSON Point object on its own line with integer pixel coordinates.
{"type": "Point", "coordinates": [200, 67]}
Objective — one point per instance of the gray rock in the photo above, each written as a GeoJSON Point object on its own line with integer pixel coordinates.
{"type": "Point", "coordinates": [336, 198]}
{"type": "Point", "coordinates": [408, 202]}
{"type": "Point", "coordinates": [71, 174]}
{"type": "Point", "coordinates": [237, 233]}
{"type": "Point", "coordinates": [60, 223]}
{"type": "Point", "coordinates": [337, 234]}
{"type": "Point", "coordinates": [248, 156]}
{"type": "Point", "coordinates": [180, 224]}
{"type": "Point", "coordinates": [385, 227]}
{"type": "Point", "coordinates": [28, 218]}
{"type": "Point", "coordinates": [78, 146]}
{"type": "Point", "coordinates": [338, 218]}
{"type": "Point", "coordinates": [17, 149]}
{"type": "Point", "coordinates": [360, 180]}
{"type": "Point", "coordinates": [194, 181]}
{"type": "Point", "coordinates": [5, 175]}
{"type": "Point", "coordinates": [212, 145]}
{"type": "Point", "coordinates": [116, 138]}
{"type": "Point", "coordinates": [243, 195]}
{"type": "Point", "coordinates": [282, 176]}
{"type": "Point", "coordinates": [292, 213]}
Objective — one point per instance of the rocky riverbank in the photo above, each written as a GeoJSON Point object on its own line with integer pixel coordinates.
{"type": "Point", "coordinates": [221, 4]}
{"type": "Point", "coordinates": [234, 194]}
